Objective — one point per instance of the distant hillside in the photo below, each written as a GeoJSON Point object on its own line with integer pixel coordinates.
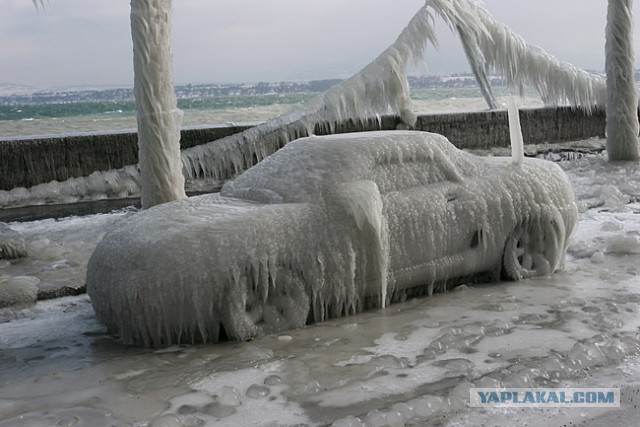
{"type": "Point", "coordinates": [23, 95]}
{"type": "Point", "coordinates": [11, 94]}
{"type": "Point", "coordinates": [9, 89]}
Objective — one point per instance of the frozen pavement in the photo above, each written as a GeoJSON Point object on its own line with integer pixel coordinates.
{"type": "Point", "coordinates": [412, 363]}
{"type": "Point", "coordinates": [58, 253]}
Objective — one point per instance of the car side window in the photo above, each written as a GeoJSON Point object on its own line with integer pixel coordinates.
{"type": "Point", "coordinates": [393, 173]}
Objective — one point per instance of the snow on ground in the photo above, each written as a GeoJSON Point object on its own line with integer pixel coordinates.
{"type": "Point", "coordinates": [412, 363]}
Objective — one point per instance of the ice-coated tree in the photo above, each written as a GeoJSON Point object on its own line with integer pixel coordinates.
{"type": "Point", "coordinates": [492, 45]}
{"type": "Point", "coordinates": [159, 119]}
{"type": "Point", "coordinates": [622, 98]}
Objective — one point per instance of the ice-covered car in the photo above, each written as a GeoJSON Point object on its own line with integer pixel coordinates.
{"type": "Point", "coordinates": [326, 227]}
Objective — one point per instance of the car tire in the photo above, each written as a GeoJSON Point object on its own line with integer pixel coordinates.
{"type": "Point", "coordinates": [534, 248]}
{"type": "Point", "coordinates": [287, 304]}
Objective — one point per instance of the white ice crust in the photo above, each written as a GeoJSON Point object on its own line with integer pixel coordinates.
{"type": "Point", "coordinates": [577, 328]}
{"type": "Point", "coordinates": [327, 227]}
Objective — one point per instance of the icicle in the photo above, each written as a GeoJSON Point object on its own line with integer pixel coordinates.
{"type": "Point", "coordinates": [476, 61]}
{"type": "Point", "coordinates": [515, 132]}
{"type": "Point", "coordinates": [362, 201]}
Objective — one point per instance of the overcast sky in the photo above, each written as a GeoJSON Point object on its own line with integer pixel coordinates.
{"type": "Point", "coordinates": [88, 42]}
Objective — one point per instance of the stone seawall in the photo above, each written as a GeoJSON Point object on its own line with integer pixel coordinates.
{"type": "Point", "coordinates": [488, 129]}
{"type": "Point", "coordinates": [31, 161]}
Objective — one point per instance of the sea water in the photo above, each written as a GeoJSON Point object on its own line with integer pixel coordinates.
{"type": "Point", "coordinates": [106, 110]}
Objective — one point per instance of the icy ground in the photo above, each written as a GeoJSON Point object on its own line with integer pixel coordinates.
{"type": "Point", "coordinates": [409, 364]}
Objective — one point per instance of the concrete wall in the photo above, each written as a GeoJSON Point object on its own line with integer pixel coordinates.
{"type": "Point", "coordinates": [27, 162]}
{"type": "Point", "coordinates": [30, 161]}
{"type": "Point", "coordinates": [487, 129]}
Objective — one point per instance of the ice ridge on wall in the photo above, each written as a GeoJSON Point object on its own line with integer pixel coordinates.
{"type": "Point", "coordinates": [123, 182]}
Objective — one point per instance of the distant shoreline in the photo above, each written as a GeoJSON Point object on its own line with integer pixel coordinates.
{"type": "Point", "coordinates": [12, 93]}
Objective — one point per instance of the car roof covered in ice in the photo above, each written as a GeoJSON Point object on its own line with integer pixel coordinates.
{"type": "Point", "coordinates": [394, 160]}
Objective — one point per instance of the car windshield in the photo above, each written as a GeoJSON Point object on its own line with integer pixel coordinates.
{"type": "Point", "coordinates": [395, 161]}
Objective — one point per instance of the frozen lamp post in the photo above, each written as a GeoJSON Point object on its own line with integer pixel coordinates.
{"type": "Point", "coordinates": [158, 116]}
{"type": "Point", "coordinates": [622, 98]}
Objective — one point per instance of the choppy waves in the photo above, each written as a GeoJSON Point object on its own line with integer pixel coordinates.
{"type": "Point", "coordinates": [71, 119]}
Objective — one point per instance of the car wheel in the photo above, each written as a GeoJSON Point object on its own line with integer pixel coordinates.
{"type": "Point", "coordinates": [287, 304]}
{"type": "Point", "coordinates": [534, 248]}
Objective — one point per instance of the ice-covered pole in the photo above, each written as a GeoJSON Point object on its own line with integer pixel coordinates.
{"type": "Point", "coordinates": [622, 98]}
{"type": "Point", "coordinates": [158, 116]}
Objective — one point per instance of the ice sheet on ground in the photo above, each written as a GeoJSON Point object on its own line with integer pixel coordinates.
{"type": "Point", "coordinates": [58, 252]}
{"type": "Point", "coordinates": [413, 359]}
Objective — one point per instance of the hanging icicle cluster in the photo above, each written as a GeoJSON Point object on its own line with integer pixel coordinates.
{"type": "Point", "coordinates": [499, 48]}
{"type": "Point", "coordinates": [382, 87]}
{"type": "Point", "coordinates": [379, 88]}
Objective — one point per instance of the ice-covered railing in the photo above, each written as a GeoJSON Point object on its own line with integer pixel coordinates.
{"type": "Point", "coordinates": [116, 183]}
{"type": "Point", "coordinates": [499, 48]}
{"type": "Point", "coordinates": [380, 87]}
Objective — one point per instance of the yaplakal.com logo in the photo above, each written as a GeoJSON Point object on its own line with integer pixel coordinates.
{"type": "Point", "coordinates": [544, 397]}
